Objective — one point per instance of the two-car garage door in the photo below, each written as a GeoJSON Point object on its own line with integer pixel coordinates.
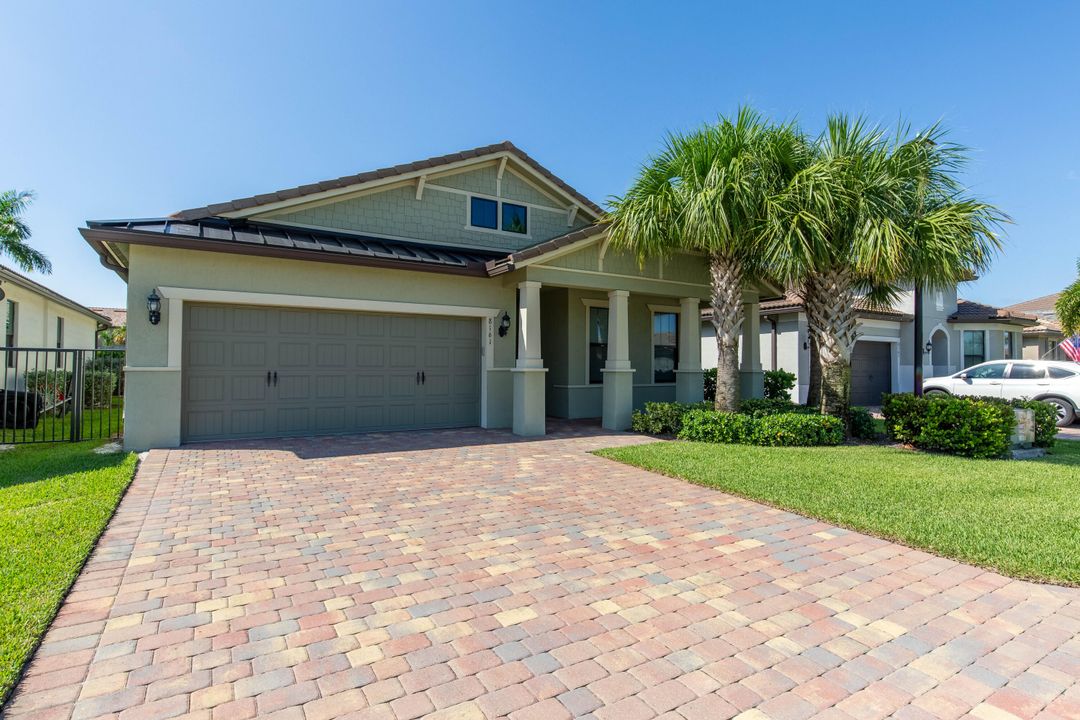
{"type": "Point", "coordinates": [266, 371]}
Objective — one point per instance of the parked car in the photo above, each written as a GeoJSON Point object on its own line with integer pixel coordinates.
{"type": "Point", "coordinates": [1057, 383]}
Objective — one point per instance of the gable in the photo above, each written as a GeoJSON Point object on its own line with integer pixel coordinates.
{"type": "Point", "coordinates": [438, 212]}
{"type": "Point", "coordinates": [596, 257]}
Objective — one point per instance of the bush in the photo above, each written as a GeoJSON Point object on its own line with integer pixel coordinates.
{"type": "Point", "coordinates": [797, 429]}
{"type": "Point", "coordinates": [710, 385]}
{"type": "Point", "coordinates": [862, 424]}
{"type": "Point", "coordinates": [662, 418]}
{"type": "Point", "coordinates": [717, 427]}
{"type": "Point", "coordinates": [759, 407]}
{"type": "Point", "coordinates": [55, 386]}
{"type": "Point", "coordinates": [778, 384]}
{"type": "Point", "coordinates": [903, 414]}
{"type": "Point", "coordinates": [972, 427]}
{"type": "Point", "coordinates": [98, 386]}
{"type": "Point", "coordinates": [1046, 428]}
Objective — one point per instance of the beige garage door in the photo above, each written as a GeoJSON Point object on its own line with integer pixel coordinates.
{"type": "Point", "coordinates": [268, 372]}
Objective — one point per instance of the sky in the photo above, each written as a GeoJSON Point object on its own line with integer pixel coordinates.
{"type": "Point", "coordinates": [140, 109]}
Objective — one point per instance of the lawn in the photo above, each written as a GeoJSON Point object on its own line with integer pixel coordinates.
{"type": "Point", "coordinates": [54, 502]}
{"type": "Point", "coordinates": [1020, 518]}
{"type": "Point", "coordinates": [97, 423]}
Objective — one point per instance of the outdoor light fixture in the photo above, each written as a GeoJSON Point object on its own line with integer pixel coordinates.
{"type": "Point", "coordinates": [504, 324]}
{"type": "Point", "coordinates": [805, 344]}
{"type": "Point", "coordinates": [153, 304]}
{"type": "Point", "coordinates": [929, 348]}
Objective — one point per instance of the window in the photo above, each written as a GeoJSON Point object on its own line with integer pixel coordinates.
{"type": "Point", "coordinates": [1007, 348]}
{"type": "Point", "coordinates": [484, 213]}
{"type": "Point", "coordinates": [1059, 373]}
{"type": "Point", "coordinates": [598, 340]}
{"type": "Point", "coordinates": [974, 347]}
{"type": "Point", "coordinates": [59, 338]}
{"type": "Point", "coordinates": [939, 301]}
{"type": "Point", "coordinates": [515, 218]}
{"type": "Point", "coordinates": [665, 341]}
{"type": "Point", "coordinates": [11, 322]}
{"type": "Point", "coordinates": [498, 215]}
{"type": "Point", "coordinates": [993, 371]}
{"type": "Point", "coordinates": [1026, 372]}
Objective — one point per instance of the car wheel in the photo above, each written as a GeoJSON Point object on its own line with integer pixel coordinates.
{"type": "Point", "coordinates": [1065, 413]}
{"type": "Point", "coordinates": [935, 392]}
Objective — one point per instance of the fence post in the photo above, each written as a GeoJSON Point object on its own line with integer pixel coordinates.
{"type": "Point", "coordinates": [76, 395]}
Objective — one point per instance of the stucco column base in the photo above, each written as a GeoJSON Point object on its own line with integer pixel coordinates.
{"type": "Point", "coordinates": [751, 383]}
{"type": "Point", "coordinates": [689, 386]}
{"type": "Point", "coordinates": [618, 398]}
{"type": "Point", "coordinates": [529, 410]}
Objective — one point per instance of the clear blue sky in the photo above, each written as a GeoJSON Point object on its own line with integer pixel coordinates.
{"type": "Point", "coordinates": [141, 109]}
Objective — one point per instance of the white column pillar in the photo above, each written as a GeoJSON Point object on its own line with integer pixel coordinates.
{"type": "Point", "coordinates": [689, 382]}
{"type": "Point", "coordinates": [618, 375]}
{"type": "Point", "coordinates": [751, 376]}
{"type": "Point", "coordinates": [529, 391]}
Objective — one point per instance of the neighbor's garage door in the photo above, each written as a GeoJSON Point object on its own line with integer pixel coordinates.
{"type": "Point", "coordinates": [265, 372]}
{"type": "Point", "coordinates": [871, 374]}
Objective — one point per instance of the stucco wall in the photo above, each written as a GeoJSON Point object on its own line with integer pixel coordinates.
{"type": "Point", "coordinates": [35, 327]}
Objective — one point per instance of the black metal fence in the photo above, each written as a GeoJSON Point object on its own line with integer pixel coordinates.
{"type": "Point", "coordinates": [58, 395]}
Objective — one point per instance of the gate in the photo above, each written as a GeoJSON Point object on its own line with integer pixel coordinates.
{"type": "Point", "coordinates": [60, 395]}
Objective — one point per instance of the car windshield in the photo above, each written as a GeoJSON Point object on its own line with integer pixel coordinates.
{"type": "Point", "coordinates": [986, 372]}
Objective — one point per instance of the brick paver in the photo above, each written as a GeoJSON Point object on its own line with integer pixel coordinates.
{"type": "Point", "coordinates": [470, 574]}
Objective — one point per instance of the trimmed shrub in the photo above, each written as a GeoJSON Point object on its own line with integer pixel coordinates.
{"type": "Point", "coordinates": [717, 427]}
{"type": "Point", "coordinates": [903, 416]}
{"type": "Point", "coordinates": [710, 385]}
{"type": "Point", "coordinates": [778, 384]}
{"type": "Point", "coordinates": [55, 386]}
{"type": "Point", "coordinates": [662, 418]}
{"type": "Point", "coordinates": [1046, 428]}
{"type": "Point", "coordinates": [797, 429]}
{"type": "Point", "coordinates": [98, 387]}
{"type": "Point", "coordinates": [968, 426]}
{"type": "Point", "coordinates": [862, 424]}
{"type": "Point", "coordinates": [759, 407]}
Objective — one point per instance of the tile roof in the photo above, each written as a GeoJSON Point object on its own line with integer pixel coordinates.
{"type": "Point", "coordinates": [255, 238]}
{"type": "Point", "coordinates": [117, 316]}
{"type": "Point", "coordinates": [970, 311]}
{"type": "Point", "coordinates": [432, 163]}
{"type": "Point", "coordinates": [1039, 306]}
{"type": "Point", "coordinates": [791, 303]}
{"type": "Point", "coordinates": [1044, 327]}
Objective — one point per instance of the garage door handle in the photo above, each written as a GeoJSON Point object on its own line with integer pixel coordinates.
{"type": "Point", "coordinates": [275, 378]}
{"type": "Point", "coordinates": [417, 377]}
{"type": "Point", "coordinates": [423, 378]}
{"type": "Point", "coordinates": [267, 378]}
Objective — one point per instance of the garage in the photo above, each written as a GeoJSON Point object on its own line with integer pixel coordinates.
{"type": "Point", "coordinates": [871, 372]}
{"type": "Point", "coordinates": [252, 372]}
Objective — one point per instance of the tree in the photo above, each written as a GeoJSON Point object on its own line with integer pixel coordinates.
{"type": "Point", "coordinates": [14, 233]}
{"type": "Point", "coordinates": [1067, 307]}
{"type": "Point", "coordinates": [705, 191]}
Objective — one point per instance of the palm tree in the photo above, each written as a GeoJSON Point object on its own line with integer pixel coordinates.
{"type": "Point", "coordinates": [705, 192]}
{"type": "Point", "coordinates": [1067, 307]}
{"type": "Point", "coordinates": [14, 232]}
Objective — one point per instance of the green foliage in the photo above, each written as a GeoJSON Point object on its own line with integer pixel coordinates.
{"type": "Point", "coordinates": [14, 232]}
{"type": "Point", "coordinates": [662, 418]}
{"type": "Point", "coordinates": [1067, 307]}
{"type": "Point", "coordinates": [778, 384]}
{"type": "Point", "coordinates": [55, 385]}
{"type": "Point", "coordinates": [784, 428]}
{"type": "Point", "coordinates": [717, 427]}
{"type": "Point", "coordinates": [98, 387]}
{"type": "Point", "coordinates": [766, 406]}
{"type": "Point", "coordinates": [1046, 428]}
{"type": "Point", "coordinates": [710, 385]}
{"type": "Point", "coordinates": [862, 424]}
{"type": "Point", "coordinates": [52, 384]}
{"type": "Point", "coordinates": [972, 427]}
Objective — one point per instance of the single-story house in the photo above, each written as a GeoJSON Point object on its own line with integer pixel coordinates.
{"type": "Point", "coordinates": [958, 333]}
{"type": "Point", "coordinates": [37, 317]}
{"type": "Point", "coordinates": [1042, 339]}
{"type": "Point", "coordinates": [470, 289]}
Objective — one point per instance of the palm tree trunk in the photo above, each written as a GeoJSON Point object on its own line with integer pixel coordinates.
{"type": "Point", "coordinates": [830, 301]}
{"type": "Point", "coordinates": [813, 392]}
{"type": "Point", "coordinates": [727, 275]}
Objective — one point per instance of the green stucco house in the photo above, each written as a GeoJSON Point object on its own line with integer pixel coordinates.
{"type": "Point", "coordinates": [473, 289]}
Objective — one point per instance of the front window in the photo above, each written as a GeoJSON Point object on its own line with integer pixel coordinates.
{"type": "Point", "coordinates": [1008, 346]}
{"type": "Point", "coordinates": [484, 213]}
{"type": "Point", "coordinates": [974, 347]}
{"type": "Point", "coordinates": [665, 341]}
{"type": "Point", "coordinates": [498, 215]}
{"type": "Point", "coordinates": [11, 322]}
{"type": "Point", "coordinates": [59, 337]}
{"type": "Point", "coordinates": [1026, 372]}
{"type": "Point", "coordinates": [515, 218]}
{"type": "Point", "coordinates": [598, 340]}
{"type": "Point", "coordinates": [992, 371]}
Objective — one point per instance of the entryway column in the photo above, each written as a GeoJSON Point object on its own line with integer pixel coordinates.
{"type": "Point", "coordinates": [751, 376]}
{"type": "Point", "coordinates": [689, 382]}
{"type": "Point", "coordinates": [618, 375]}
{"type": "Point", "coordinates": [529, 410]}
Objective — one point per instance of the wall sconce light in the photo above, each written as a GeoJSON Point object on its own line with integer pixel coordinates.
{"type": "Point", "coordinates": [504, 324]}
{"type": "Point", "coordinates": [153, 304]}
{"type": "Point", "coordinates": [929, 348]}
{"type": "Point", "coordinates": [805, 344]}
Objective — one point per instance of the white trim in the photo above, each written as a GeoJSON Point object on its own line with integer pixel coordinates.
{"type": "Point", "coordinates": [151, 368]}
{"type": "Point", "coordinates": [948, 345]}
{"type": "Point", "coordinates": [570, 215]}
{"type": "Point", "coordinates": [664, 308]}
{"type": "Point", "coordinates": [877, 338]}
{"type": "Point", "coordinates": [497, 198]}
{"type": "Point", "coordinates": [497, 230]}
{"type": "Point", "coordinates": [420, 187]}
{"type": "Point", "coordinates": [615, 275]}
{"type": "Point", "coordinates": [603, 250]}
{"type": "Point", "coordinates": [558, 253]}
{"type": "Point", "coordinates": [880, 324]}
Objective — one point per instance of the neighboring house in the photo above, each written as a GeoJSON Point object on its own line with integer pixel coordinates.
{"type": "Point", "coordinates": [957, 333]}
{"type": "Point", "coordinates": [117, 319]}
{"type": "Point", "coordinates": [36, 317]}
{"type": "Point", "coordinates": [470, 289]}
{"type": "Point", "coordinates": [1042, 339]}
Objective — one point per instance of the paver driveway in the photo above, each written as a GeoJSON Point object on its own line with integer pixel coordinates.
{"type": "Point", "coordinates": [468, 575]}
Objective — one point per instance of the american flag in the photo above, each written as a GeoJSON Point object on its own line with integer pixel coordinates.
{"type": "Point", "coordinates": [1071, 347]}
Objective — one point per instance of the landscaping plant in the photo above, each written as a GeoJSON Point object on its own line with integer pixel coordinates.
{"type": "Point", "coordinates": [778, 384]}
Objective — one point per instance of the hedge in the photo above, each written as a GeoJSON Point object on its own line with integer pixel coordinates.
{"type": "Point", "coordinates": [98, 386]}
{"type": "Point", "coordinates": [662, 418]}
{"type": "Point", "coordinates": [787, 429]}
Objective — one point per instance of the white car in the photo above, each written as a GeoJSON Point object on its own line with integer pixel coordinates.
{"type": "Point", "coordinates": [1057, 383]}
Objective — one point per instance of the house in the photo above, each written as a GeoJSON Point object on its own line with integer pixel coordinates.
{"type": "Point", "coordinates": [958, 333]}
{"type": "Point", "coordinates": [35, 316]}
{"type": "Point", "coordinates": [470, 289]}
{"type": "Point", "coordinates": [1042, 339]}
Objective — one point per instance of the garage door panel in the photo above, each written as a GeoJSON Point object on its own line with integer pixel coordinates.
{"type": "Point", "coordinates": [335, 372]}
{"type": "Point", "coordinates": [871, 372]}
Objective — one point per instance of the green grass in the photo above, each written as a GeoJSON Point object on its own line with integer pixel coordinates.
{"type": "Point", "coordinates": [54, 502]}
{"type": "Point", "coordinates": [97, 423]}
{"type": "Point", "coordinates": [1021, 518]}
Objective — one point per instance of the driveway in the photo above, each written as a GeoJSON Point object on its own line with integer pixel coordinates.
{"type": "Point", "coordinates": [470, 574]}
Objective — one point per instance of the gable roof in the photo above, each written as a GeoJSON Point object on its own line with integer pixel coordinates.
{"type": "Point", "coordinates": [1040, 306]}
{"type": "Point", "coordinates": [971, 311]}
{"type": "Point", "coordinates": [349, 181]}
{"type": "Point", "coordinates": [9, 275]}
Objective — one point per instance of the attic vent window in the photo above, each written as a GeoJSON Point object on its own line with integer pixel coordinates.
{"type": "Point", "coordinates": [497, 215]}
